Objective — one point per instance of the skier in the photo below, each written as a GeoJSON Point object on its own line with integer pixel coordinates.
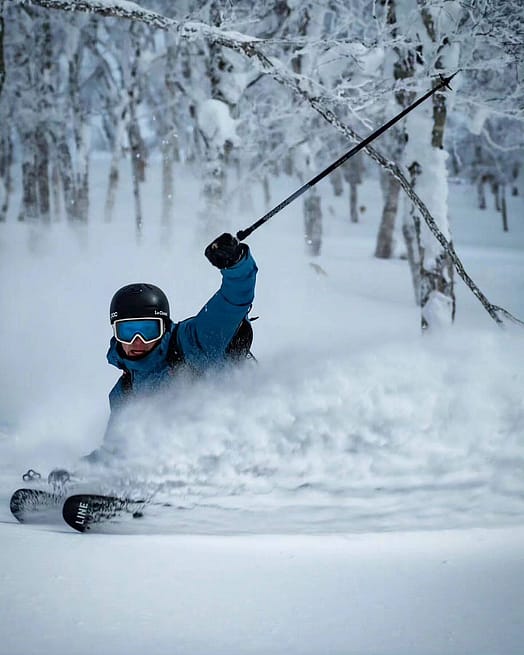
{"type": "Point", "coordinates": [148, 346]}
{"type": "Point", "coordinates": [146, 340]}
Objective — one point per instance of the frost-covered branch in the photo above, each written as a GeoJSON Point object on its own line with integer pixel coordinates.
{"type": "Point", "coordinates": [114, 8]}
{"type": "Point", "coordinates": [251, 47]}
{"type": "Point", "coordinates": [134, 12]}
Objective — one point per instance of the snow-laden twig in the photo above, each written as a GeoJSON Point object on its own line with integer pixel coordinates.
{"type": "Point", "coordinates": [251, 47]}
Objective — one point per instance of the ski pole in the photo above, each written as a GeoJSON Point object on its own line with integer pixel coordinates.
{"type": "Point", "coordinates": [243, 234]}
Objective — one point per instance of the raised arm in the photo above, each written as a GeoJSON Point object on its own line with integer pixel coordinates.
{"type": "Point", "coordinates": [205, 337]}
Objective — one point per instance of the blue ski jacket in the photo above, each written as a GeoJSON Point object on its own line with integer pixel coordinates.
{"type": "Point", "coordinates": [202, 339]}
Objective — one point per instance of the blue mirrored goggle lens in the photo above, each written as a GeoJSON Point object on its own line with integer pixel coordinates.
{"type": "Point", "coordinates": [149, 329]}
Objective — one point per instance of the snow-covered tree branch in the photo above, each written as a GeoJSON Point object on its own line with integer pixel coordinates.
{"type": "Point", "coordinates": [304, 86]}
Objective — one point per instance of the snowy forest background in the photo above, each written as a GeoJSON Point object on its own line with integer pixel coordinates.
{"type": "Point", "coordinates": [360, 489]}
{"type": "Point", "coordinates": [242, 95]}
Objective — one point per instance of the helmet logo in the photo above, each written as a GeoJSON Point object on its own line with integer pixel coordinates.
{"type": "Point", "coordinates": [113, 314]}
{"type": "Point", "coordinates": [159, 312]}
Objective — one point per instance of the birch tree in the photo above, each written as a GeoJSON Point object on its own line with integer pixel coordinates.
{"type": "Point", "coordinates": [426, 157]}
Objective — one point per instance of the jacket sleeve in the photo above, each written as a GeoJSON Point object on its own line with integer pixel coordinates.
{"type": "Point", "coordinates": [205, 337]}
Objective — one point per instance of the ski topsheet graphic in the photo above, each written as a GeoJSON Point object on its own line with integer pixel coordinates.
{"type": "Point", "coordinates": [36, 506]}
{"type": "Point", "coordinates": [86, 511]}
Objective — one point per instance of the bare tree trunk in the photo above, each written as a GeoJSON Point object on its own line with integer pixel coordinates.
{"type": "Point", "coordinates": [112, 184]}
{"type": "Point", "coordinates": [45, 90]}
{"type": "Point", "coordinates": [77, 210]}
{"type": "Point", "coordinates": [337, 181]}
{"type": "Point", "coordinates": [385, 245]}
{"type": "Point", "coordinates": [411, 233]}
{"type": "Point", "coordinates": [214, 169]}
{"type": "Point", "coordinates": [56, 187]}
{"type": "Point", "coordinates": [167, 188]}
{"type": "Point", "coordinates": [495, 190]}
{"type": "Point", "coordinates": [81, 168]}
{"type": "Point", "coordinates": [168, 147]}
{"type": "Point", "coordinates": [42, 176]}
{"type": "Point", "coordinates": [353, 202]}
{"type": "Point", "coordinates": [139, 223]}
{"type": "Point", "coordinates": [312, 210]}
{"type": "Point", "coordinates": [403, 68]}
{"type": "Point", "coordinates": [215, 176]}
{"type": "Point", "coordinates": [266, 189]}
{"type": "Point", "coordinates": [34, 139]}
{"type": "Point", "coordinates": [213, 187]}
{"type": "Point", "coordinates": [115, 131]}
{"type": "Point", "coordinates": [353, 175]}
{"type": "Point", "coordinates": [82, 186]}
{"type": "Point", "coordinates": [504, 208]}
{"type": "Point", "coordinates": [28, 208]}
{"type": "Point", "coordinates": [481, 193]}
{"type": "Point", "coordinates": [313, 223]}
{"type": "Point", "coordinates": [136, 143]}
{"type": "Point", "coordinates": [410, 229]}
{"type": "Point", "coordinates": [514, 177]}
{"type": "Point", "coordinates": [65, 167]}
{"type": "Point", "coordinates": [137, 169]}
{"type": "Point", "coordinates": [6, 183]}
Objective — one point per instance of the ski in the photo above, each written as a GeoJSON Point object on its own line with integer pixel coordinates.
{"type": "Point", "coordinates": [36, 505]}
{"type": "Point", "coordinates": [84, 512]}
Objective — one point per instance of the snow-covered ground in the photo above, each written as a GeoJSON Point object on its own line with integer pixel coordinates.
{"type": "Point", "coordinates": [361, 490]}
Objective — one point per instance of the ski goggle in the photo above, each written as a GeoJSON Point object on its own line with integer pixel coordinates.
{"type": "Point", "coordinates": [146, 329]}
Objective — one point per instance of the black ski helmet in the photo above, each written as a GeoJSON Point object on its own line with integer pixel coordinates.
{"type": "Point", "coordinates": [137, 301]}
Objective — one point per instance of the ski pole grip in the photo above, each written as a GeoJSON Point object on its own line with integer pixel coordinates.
{"type": "Point", "coordinates": [243, 234]}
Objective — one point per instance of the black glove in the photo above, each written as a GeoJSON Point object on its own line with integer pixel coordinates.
{"type": "Point", "coordinates": [225, 251]}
